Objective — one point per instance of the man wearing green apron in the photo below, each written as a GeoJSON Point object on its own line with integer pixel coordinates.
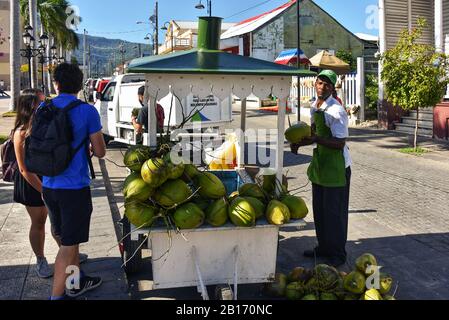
{"type": "Point", "coordinates": [329, 172]}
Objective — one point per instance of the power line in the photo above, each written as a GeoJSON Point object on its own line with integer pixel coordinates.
{"type": "Point", "coordinates": [105, 48]}
{"type": "Point", "coordinates": [118, 32]}
{"type": "Point", "coordinates": [253, 7]}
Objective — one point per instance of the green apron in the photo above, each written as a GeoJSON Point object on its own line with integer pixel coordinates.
{"type": "Point", "coordinates": [327, 168]}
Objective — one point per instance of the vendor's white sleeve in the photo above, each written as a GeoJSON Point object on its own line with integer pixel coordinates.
{"type": "Point", "coordinates": [338, 122]}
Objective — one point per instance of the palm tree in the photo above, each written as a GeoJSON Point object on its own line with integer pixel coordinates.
{"type": "Point", "coordinates": [53, 18]}
{"type": "Point", "coordinates": [15, 53]}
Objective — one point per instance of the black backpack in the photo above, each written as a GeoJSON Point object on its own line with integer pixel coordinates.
{"type": "Point", "coordinates": [48, 149]}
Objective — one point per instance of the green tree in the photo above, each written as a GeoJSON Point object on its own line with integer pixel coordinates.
{"type": "Point", "coordinates": [347, 57]}
{"type": "Point", "coordinates": [372, 91]}
{"type": "Point", "coordinates": [53, 18]}
{"type": "Point", "coordinates": [414, 75]}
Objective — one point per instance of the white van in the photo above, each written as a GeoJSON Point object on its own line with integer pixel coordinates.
{"type": "Point", "coordinates": [117, 101]}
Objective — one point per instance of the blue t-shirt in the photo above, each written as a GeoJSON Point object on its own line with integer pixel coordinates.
{"type": "Point", "coordinates": [85, 121]}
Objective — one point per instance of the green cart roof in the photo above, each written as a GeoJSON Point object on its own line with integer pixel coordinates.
{"type": "Point", "coordinates": [203, 61]}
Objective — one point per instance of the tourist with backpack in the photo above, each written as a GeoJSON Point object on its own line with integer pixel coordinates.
{"type": "Point", "coordinates": [66, 133]}
{"type": "Point", "coordinates": [27, 185]}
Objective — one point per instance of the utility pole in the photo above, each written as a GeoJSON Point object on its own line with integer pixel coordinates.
{"type": "Point", "coordinates": [97, 71]}
{"type": "Point", "coordinates": [122, 51]}
{"type": "Point", "coordinates": [156, 29]}
{"type": "Point", "coordinates": [298, 29]}
{"type": "Point", "coordinates": [84, 54]}
{"type": "Point", "coordinates": [89, 64]}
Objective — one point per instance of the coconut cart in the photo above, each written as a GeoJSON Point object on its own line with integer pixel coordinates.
{"type": "Point", "coordinates": [228, 254]}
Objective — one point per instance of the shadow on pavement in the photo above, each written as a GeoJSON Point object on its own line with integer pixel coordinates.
{"type": "Point", "coordinates": [418, 269]}
{"type": "Point", "coordinates": [20, 282]}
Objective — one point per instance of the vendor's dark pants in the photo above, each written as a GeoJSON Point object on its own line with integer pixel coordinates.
{"type": "Point", "coordinates": [330, 213]}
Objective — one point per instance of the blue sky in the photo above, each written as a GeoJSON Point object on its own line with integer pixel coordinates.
{"type": "Point", "coordinates": [116, 19]}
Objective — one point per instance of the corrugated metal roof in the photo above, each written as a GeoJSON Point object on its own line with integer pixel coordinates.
{"type": "Point", "coordinates": [254, 23]}
{"type": "Point", "coordinates": [193, 25]}
{"type": "Point", "coordinates": [367, 37]}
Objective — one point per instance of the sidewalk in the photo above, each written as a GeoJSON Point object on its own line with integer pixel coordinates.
{"type": "Point", "coordinates": [6, 124]}
{"type": "Point", "coordinates": [18, 279]}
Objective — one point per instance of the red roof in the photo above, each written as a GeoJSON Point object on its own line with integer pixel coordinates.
{"type": "Point", "coordinates": [284, 6]}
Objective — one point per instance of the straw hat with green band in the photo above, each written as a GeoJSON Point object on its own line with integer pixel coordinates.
{"type": "Point", "coordinates": [331, 75]}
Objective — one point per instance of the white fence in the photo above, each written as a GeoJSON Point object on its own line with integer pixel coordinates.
{"type": "Point", "coordinates": [352, 91]}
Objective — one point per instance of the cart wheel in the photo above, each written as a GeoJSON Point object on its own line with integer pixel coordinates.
{"type": "Point", "coordinates": [129, 249]}
{"type": "Point", "coordinates": [224, 292]}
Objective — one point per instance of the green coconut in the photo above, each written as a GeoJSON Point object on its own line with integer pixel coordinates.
{"type": "Point", "coordinates": [188, 216]}
{"type": "Point", "coordinates": [386, 282]}
{"type": "Point", "coordinates": [328, 296]}
{"type": "Point", "coordinates": [210, 186]}
{"type": "Point", "coordinates": [172, 192]}
{"type": "Point", "coordinates": [355, 282]}
{"type": "Point", "coordinates": [140, 214]}
{"type": "Point", "coordinates": [233, 195]}
{"type": "Point", "coordinates": [295, 274]}
{"type": "Point", "coordinates": [388, 297]}
{"type": "Point", "coordinates": [217, 213]}
{"type": "Point", "coordinates": [297, 206]}
{"type": "Point", "coordinates": [252, 190]}
{"type": "Point", "coordinates": [267, 177]}
{"type": "Point", "coordinates": [154, 172]}
{"type": "Point", "coordinates": [372, 294]}
{"type": "Point", "coordinates": [364, 261]}
{"type": "Point", "coordinates": [241, 213]}
{"type": "Point", "coordinates": [190, 171]}
{"type": "Point", "coordinates": [175, 168]}
{"type": "Point", "coordinates": [130, 178]}
{"type": "Point", "coordinates": [136, 156]}
{"type": "Point", "coordinates": [257, 205]}
{"type": "Point", "coordinates": [136, 189]}
{"type": "Point", "coordinates": [203, 204]}
{"type": "Point", "coordinates": [277, 213]}
{"type": "Point", "coordinates": [310, 297]}
{"type": "Point", "coordinates": [294, 291]}
{"type": "Point", "coordinates": [298, 132]}
{"type": "Point", "coordinates": [351, 297]}
{"type": "Point", "coordinates": [327, 277]}
{"type": "Point", "coordinates": [278, 287]}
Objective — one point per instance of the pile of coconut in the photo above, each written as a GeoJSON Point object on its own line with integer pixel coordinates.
{"type": "Point", "coordinates": [166, 187]}
{"type": "Point", "coordinates": [324, 282]}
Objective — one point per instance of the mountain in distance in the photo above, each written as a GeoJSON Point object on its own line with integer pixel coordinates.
{"type": "Point", "coordinates": [106, 54]}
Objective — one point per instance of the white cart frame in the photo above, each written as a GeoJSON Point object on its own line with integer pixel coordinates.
{"type": "Point", "coordinates": [211, 256]}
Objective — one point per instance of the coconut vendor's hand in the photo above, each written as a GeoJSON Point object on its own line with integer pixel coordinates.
{"type": "Point", "coordinates": [306, 141]}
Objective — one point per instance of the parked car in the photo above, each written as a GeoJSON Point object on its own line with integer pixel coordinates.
{"type": "Point", "coordinates": [99, 87]}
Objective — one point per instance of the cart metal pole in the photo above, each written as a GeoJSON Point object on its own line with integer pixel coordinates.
{"type": "Point", "coordinates": [298, 26]}
{"type": "Point", "coordinates": [198, 272]}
